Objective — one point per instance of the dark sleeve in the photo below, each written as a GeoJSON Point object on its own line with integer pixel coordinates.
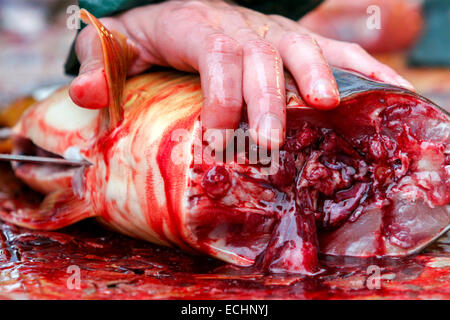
{"type": "Point", "coordinates": [100, 8]}
{"type": "Point", "coordinates": [434, 46]}
{"type": "Point", "coordinates": [293, 9]}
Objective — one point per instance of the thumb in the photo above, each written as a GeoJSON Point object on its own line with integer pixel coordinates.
{"type": "Point", "coordinates": [90, 88]}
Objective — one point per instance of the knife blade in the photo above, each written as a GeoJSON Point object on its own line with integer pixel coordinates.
{"type": "Point", "coordinates": [43, 160]}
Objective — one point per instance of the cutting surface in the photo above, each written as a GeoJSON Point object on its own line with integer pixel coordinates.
{"type": "Point", "coordinates": [85, 261]}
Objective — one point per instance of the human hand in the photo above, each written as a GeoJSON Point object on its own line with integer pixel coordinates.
{"type": "Point", "coordinates": [240, 55]}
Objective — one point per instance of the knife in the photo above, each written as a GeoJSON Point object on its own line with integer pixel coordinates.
{"type": "Point", "coordinates": [44, 160]}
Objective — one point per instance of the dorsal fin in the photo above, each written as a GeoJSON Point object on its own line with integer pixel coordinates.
{"type": "Point", "coordinates": [117, 56]}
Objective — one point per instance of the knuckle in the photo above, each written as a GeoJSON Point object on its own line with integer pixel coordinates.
{"type": "Point", "coordinates": [270, 95]}
{"type": "Point", "coordinates": [267, 92]}
{"type": "Point", "coordinates": [195, 4]}
{"type": "Point", "coordinates": [295, 38]}
{"type": "Point", "coordinates": [276, 17]}
{"type": "Point", "coordinates": [220, 43]}
{"type": "Point", "coordinates": [170, 19]}
{"type": "Point", "coordinates": [300, 37]}
{"type": "Point", "coordinates": [85, 33]}
{"type": "Point", "coordinates": [230, 103]}
{"type": "Point", "coordinates": [259, 46]}
{"type": "Point", "coordinates": [319, 66]}
{"type": "Point", "coordinates": [270, 91]}
{"type": "Point", "coordinates": [86, 37]}
{"type": "Point", "coordinates": [244, 33]}
{"type": "Point", "coordinates": [186, 11]}
{"type": "Point", "coordinates": [183, 13]}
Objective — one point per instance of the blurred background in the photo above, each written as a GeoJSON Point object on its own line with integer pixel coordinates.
{"type": "Point", "coordinates": [413, 37]}
{"type": "Point", "coordinates": [34, 43]}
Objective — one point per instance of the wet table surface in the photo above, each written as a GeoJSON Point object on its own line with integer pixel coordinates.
{"type": "Point", "coordinates": [85, 261]}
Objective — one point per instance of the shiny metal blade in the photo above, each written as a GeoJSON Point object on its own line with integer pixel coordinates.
{"type": "Point", "coordinates": [43, 160]}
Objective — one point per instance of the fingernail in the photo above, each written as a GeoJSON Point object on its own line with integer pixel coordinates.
{"type": "Point", "coordinates": [270, 131]}
{"type": "Point", "coordinates": [404, 83]}
{"type": "Point", "coordinates": [324, 94]}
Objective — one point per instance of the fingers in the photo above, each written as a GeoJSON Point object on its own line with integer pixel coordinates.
{"type": "Point", "coordinates": [89, 89]}
{"type": "Point", "coordinates": [352, 56]}
{"type": "Point", "coordinates": [347, 55]}
{"type": "Point", "coordinates": [264, 93]}
{"type": "Point", "coordinates": [226, 71]}
{"type": "Point", "coordinates": [304, 59]}
{"type": "Point", "coordinates": [220, 67]}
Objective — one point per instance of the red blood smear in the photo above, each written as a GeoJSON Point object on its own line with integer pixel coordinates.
{"type": "Point", "coordinates": [344, 203]}
{"type": "Point", "coordinates": [216, 182]}
{"type": "Point", "coordinates": [293, 247]}
{"type": "Point", "coordinates": [302, 139]}
{"type": "Point", "coordinates": [285, 171]}
{"type": "Point", "coordinates": [35, 265]}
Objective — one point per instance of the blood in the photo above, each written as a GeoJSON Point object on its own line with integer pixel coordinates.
{"type": "Point", "coordinates": [344, 204]}
{"type": "Point", "coordinates": [285, 170]}
{"type": "Point", "coordinates": [36, 265]}
{"type": "Point", "coordinates": [293, 246]}
{"type": "Point", "coordinates": [326, 177]}
{"type": "Point", "coordinates": [329, 172]}
{"type": "Point", "coordinates": [329, 169]}
{"type": "Point", "coordinates": [216, 182]}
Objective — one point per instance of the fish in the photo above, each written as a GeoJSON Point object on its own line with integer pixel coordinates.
{"type": "Point", "coordinates": [370, 178]}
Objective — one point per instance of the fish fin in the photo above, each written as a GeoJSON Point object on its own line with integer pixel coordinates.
{"type": "Point", "coordinates": [59, 209]}
{"type": "Point", "coordinates": [117, 56]}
